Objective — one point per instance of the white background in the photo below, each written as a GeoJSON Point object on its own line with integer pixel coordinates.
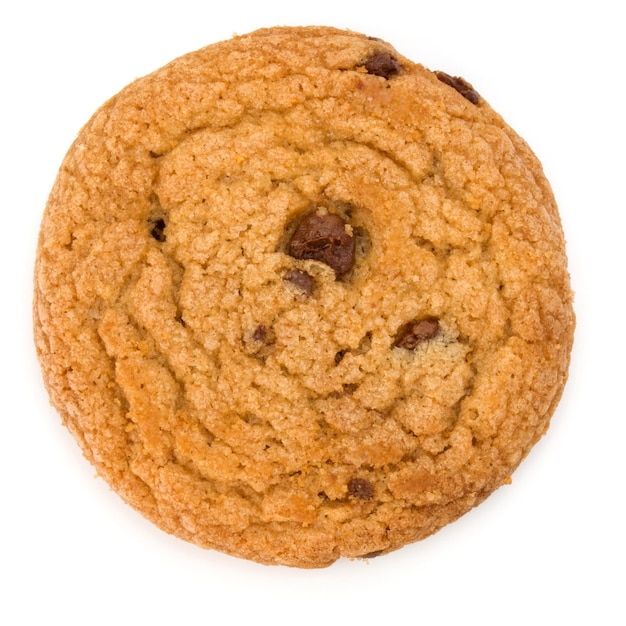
{"type": "Point", "coordinates": [549, 549]}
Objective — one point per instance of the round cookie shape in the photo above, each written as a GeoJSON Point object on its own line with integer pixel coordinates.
{"type": "Point", "coordinates": [299, 298]}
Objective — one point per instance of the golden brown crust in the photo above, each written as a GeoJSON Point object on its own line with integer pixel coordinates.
{"type": "Point", "coordinates": [270, 406]}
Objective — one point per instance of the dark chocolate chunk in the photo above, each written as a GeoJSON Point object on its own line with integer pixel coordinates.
{"type": "Point", "coordinates": [361, 488]}
{"type": "Point", "coordinates": [302, 280]}
{"type": "Point", "coordinates": [158, 230]}
{"type": "Point", "coordinates": [415, 332]}
{"type": "Point", "coordinates": [382, 64]}
{"type": "Point", "coordinates": [461, 85]}
{"type": "Point", "coordinates": [324, 237]}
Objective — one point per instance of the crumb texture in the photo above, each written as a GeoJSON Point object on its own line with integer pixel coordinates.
{"type": "Point", "coordinates": [298, 297]}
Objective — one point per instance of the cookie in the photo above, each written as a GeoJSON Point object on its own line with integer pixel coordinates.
{"type": "Point", "coordinates": [299, 298]}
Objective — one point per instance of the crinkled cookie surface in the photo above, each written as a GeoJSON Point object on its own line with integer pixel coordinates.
{"type": "Point", "coordinates": [299, 298]}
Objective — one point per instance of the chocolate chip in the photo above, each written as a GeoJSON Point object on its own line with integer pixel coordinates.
{"type": "Point", "coordinates": [461, 85]}
{"type": "Point", "coordinates": [324, 237]}
{"type": "Point", "coordinates": [382, 64]}
{"type": "Point", "coordinates": [361, 488]}
{"type": "Point", "coordinates": [365, 344]}
{"type": "Point", "coordinates": [339, 356]}
{"type": "Point", "coordinates": [260, 343]}
{"type": "Point", "coordinates": [260, 334]}
{"type": "Point", "coordinates": [372, 555]}
{"type": "Point", "coordinates": [303, 281]}
{"type": "Point", "coordinates": [158, 230]}
{"type": "Point", "coordinates": [415, 332]}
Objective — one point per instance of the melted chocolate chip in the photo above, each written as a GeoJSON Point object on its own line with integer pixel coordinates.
{"type": "Point", "coordinates": [324, 237]}
{"type": "Point", "coordinates": [415, 332]}
{"type": "Point", "coordinates": [461, 85]}
{"type": "Point", "coordinates": [303, 281]}
{"type": "Point", "coordinates": [158, 230]}
{"type": "Point", "coordinates": [382, 64]}
{"type": "Point", "coordinates": [361, 488]}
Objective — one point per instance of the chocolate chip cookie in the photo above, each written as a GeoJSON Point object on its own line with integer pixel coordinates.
{"type": "Point", "coordinates": [298, 297]}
